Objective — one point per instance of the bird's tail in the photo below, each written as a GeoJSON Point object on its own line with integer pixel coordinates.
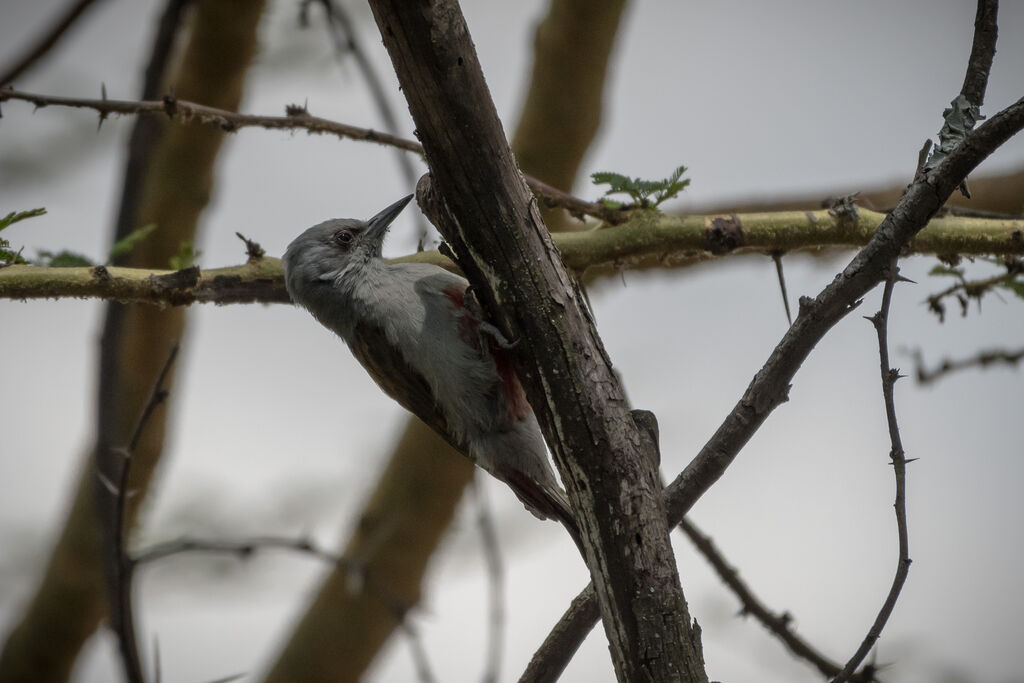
{"type": "Point", "coordinates": [544, 501]}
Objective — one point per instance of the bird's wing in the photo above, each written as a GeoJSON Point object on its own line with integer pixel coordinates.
{"type": "Point", "coordinates": [399, 380]}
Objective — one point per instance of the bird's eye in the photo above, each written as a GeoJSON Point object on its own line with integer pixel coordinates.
{"type": "Point", "coordinates": [344, 238]}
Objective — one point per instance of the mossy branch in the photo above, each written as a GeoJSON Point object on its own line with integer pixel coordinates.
{"type": "Point", "coordinates": [647, 240]}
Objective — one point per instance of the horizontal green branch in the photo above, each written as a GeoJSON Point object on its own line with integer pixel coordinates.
{"type": "Point", "coordinates": [648, 239]}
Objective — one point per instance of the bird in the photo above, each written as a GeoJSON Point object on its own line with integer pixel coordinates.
{"type": "Point", "coordinates": [420, 333]}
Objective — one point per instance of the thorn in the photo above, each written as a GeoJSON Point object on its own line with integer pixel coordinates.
{"type": "Point", "coordinates": [907, 461]}
{"type": "Point", "coordinates": [900, 278]}
{"type": "Point", "coordinates": [103, 114]}
{"type": "Point", "coordinates": [777, 257]}
{"type": "Point", "coordinates": [253, 250]}
{"type": "Point", "coordinates": [170, 105]}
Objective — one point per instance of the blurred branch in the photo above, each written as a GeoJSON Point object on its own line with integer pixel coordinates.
{"type": "Point", "coordinates": [297, 118]}
{"type": "Point", "coordinates": [898, 460]}
{"type": "Point", "coordinates": [47, 41]}
{"type": "Point", "coordinates": [965, 289]}
{"type": "Point", "coordinates": [982, 359]}
{"type": "Point", "coordinates": [496, 575]}
{"type": "Point", "coordinates": [647, 240]}
{"type": "Point", "coordinates": [121, 565]}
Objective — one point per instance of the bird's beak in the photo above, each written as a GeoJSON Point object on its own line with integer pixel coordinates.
{"type": "Point", "coordinates": [378, 225]}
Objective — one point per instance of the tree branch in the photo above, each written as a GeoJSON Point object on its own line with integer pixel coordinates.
{"type": "Point", "coordinates": [880, 320]}
{"type": "Point", "coordinates": [646, 240]}
{"type": "Point", "coordinates": [780, 625]}
{"type": "Point", "coordinates": [982, 359]}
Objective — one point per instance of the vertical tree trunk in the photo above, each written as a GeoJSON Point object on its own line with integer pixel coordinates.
{"type": "Point", "coordinates": [487, 213]}
{"type": "Point", "coordinates": [71, 599]}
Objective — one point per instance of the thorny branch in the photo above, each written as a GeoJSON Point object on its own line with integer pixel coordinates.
{"type": "Point", "coordinates": [780, 625]}
{"type": "Point", "coordinates": [296, 118]}
{"type": "Point", "coordinates": [899, 463]}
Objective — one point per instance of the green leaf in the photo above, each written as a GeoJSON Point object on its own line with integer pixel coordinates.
{"type": "Point", "coordinates": [10, 256]}
{"type": "Point", "coordinates": [129, 241]}
{"type": "Point", "coordinates": [15, 216]}
{"type": "Point", "coordinates": [641, 191]}
{"type": "Point", "coordinates": [1015, 286]}
{"type": "Point", "coordinates": [62, 259]}
{"type": "Point", "coordinates": [186, 257]}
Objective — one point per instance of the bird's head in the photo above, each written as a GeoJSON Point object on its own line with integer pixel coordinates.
{"type": "Point", "coordinates": [328, 250]}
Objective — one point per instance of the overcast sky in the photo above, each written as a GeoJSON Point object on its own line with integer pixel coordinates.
{"type": "Point", "coordinates": [756, 99]}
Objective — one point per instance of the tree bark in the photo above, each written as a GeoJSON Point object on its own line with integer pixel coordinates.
{"type": "Point", "coordinates": [606, 462]}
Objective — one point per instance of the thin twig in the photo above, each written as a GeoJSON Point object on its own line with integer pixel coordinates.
{"type": "Point", "coordinates": [983, 51]}
{"type": "Point", "coordinates": [982, 359]}
{"type": "Point", "coordinates": [899, 463]}
{"type": "Point", "coordinates": [122, 614]}
{"type": "Point", "coordinates": [47, 41]}
{"type": "Point", "coordinates": [496, 574]}
{"type": "Point", "coordinates": [779, 625]}
{"type": "Point", "coordinates": [297, 119]}
{"type": "Point", "coordinates": [242, 547]}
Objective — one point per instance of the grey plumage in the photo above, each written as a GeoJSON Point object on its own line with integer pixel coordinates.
{"type": "Point", "coordinates": [408, 324]}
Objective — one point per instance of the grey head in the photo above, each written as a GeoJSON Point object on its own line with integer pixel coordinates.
{"type": "Point", "coordinates": [328, 250]}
